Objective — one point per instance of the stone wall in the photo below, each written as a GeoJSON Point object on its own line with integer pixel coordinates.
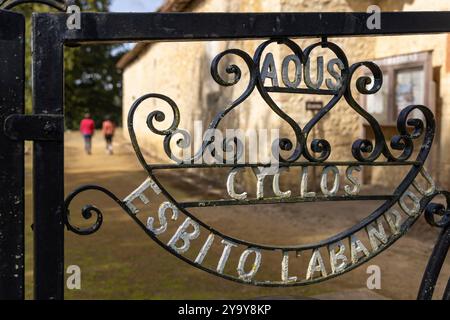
{"type": "Point", "coordinates": [438, 44]}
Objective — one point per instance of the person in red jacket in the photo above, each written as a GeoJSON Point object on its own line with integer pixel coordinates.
{"type": "Point", "coordinates": [108, 129]}
{"type": "Point", "coordinates": [87, 129]}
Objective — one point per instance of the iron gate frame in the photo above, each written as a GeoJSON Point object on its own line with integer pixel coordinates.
{"type": "Point", "coordinates": [49, 37]}
{"type": "Point", "coordinates": [12, 207]}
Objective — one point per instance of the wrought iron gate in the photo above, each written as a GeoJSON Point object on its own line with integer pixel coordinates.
{"type": "Point", "coordinates": [12, 37]}
{"type": "Point", "coordinates": [45, 129]}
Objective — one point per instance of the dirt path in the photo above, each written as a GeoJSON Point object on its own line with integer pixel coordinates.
{"type": "Point", "coordinates": [120, 261]}
{"type": "Point", "coordinates": [79, 162]}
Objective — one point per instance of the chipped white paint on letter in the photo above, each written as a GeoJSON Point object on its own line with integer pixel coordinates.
{"type": "Point", "coordinates": [356, 247]}
{"type": "Point", "coordinates": [285, 269]}
{"type": "Point", "coordinates": [248, 276]}
{"type": "Point", "coordinates": [230, 185]}
{"type": "Point", "coordinates": [186, 237]}
{"type": "Point", "coordinates": [139, 193]}
{"type": "Point", "coordinates": [394, 219]}
{"type": "Point", "coordinates": [356, 185]}
{"type": "Point", "coordinates": [376, 235]}
{"type": "Point", "coordinates": [316, 265]}
{"type": "Point", "coordinates": [337, 256]}
{"type": "Point", "coordinates": [324, 181]}
{"type": "Point", "coordinates": [416, 203]}
{"type": "Point", "coordinates": [304, 185]}
{"type": "Point", "coordinates": [204, 251]}
{"type": "Point", "coordinates": [276, 185]}
{"type": "Point", "coordinates": [225, 254]}
{"type": "Point", "coordinates": [260, 184]}
{"type": "Point", "coordinates": [432, 185]}
{"type": "Point", "coordinates": [162, 218]}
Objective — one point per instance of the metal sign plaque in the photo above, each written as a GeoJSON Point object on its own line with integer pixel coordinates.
{"type": "Point", "coordinates": [314, 105]}
{"type": "Point", "coordinates": [199, 244]}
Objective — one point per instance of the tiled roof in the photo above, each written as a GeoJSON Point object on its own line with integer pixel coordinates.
{"type": "Point", "coordinates": [175, 5]}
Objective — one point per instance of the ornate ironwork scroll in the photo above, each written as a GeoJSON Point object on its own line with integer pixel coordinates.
{"type": "Point", "coordinates": [345, 250]}
{"type": "Point", "coordinates": [60, 5]}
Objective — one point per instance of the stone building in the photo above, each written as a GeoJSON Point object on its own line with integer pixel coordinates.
{"type": "Point", "coordinates": [416, 70]}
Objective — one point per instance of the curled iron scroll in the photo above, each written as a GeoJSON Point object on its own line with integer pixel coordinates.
{"type": "Point", "coordinates": [60, 5]}
{"type": "Point", "coordinates": [364, 151]}
{"type": "Point", "coordinates": [438, 214]}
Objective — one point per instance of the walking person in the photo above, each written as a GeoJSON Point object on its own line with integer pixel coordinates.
{"type": "Point", "coordinates": [87, 129]}
{"type": "Point", "coordinates": [108, 129]}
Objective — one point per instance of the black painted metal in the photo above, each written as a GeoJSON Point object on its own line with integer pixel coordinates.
{"type": "Point", "coordinates": [35, 127]}
{"type": "Point", "coordinates": [434, 267]}
{"type": "Point", "coordinates": [48, 163]}
{"type": "Point", "coordinates": [50, 35]}
{"type": "Point", "coordinates": [318, 152]}
{"type": "Point", "coordinates": [437, 215]}
{"type": "Point", "coordinates": [101, 28]}
{"type": "Point", "coordinates": [364, 151]}
{"type": "Point", "coordinates": [12, 34]}
{"type": "Point", "coordinates": [120, 27]}
{"type": "Point", "coordinates": [56, 4]}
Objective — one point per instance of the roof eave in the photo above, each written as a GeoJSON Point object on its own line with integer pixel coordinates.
{"type": "Point", "coordinates": [141, 47]}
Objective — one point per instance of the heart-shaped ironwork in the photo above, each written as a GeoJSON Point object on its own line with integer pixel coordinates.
{"type": "Point", "coordinates": [364, 151]}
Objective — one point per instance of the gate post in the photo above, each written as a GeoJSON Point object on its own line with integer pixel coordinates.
{"type": "Point", "coordinates": [48, 160]}
{"type": "Point", "coordinates": [12, 34]}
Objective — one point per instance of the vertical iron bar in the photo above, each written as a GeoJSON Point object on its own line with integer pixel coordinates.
{"type": "Point", "coordinates": [12, 31]}
{"type": "Point", "coordinates": [446, 295]}
{"type": "Point", "coordinates": [48, 163]}
{"type": "Point", "coordinates": [434, 266]}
